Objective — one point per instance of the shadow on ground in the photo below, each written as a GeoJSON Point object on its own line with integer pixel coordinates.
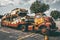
{"type": "Point", "coordinates": [54, 34]}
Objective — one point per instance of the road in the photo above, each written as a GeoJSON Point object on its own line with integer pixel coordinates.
{"type": "Point", "coordinates": [13, 34]}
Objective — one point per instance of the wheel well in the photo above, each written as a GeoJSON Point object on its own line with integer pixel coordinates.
{"type": "Point", "coordinates": [42, 26]}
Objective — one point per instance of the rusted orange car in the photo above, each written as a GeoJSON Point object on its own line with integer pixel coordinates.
{"type": "Point", "coordinates": [21, 21]}
{"type": "Point", "coordinates": [14, 18]}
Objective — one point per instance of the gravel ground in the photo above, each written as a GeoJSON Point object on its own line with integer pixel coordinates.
{"type": "Point", "coordinates": [13, 34]}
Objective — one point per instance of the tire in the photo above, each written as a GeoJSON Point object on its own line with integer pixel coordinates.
{"type": "Point", "coordinates": [54, 27]}
{"type": "Point", "coordinates": [44, 30]}
{"type": "Point", "coordinates": [21, 27]}
{"type": "Point", "coordinates": [1, 24]}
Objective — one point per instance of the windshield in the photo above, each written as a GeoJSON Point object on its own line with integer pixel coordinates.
{"type": "Point", "coordinates": [22, 14]}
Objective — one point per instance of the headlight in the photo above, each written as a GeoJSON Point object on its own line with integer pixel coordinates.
{"type": "Point", "coordinates": [23, 18]}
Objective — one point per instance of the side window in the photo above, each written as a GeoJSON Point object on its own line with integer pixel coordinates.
{"type": "Point", "coordinates": [8, 19]}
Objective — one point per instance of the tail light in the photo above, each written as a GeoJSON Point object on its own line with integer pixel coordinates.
{"type": "Point", "coordinates": [30, 27]}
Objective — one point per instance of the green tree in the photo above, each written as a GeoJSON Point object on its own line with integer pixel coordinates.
{"type": "Point", "coordinates": [37, 7]}
{"type": "Point", "coordinates": [55, 14]}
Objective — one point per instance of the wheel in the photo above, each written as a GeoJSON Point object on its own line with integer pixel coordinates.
{"type": "Point", "coordinates": [21, 27]}
{"type": "Point", "coordinates": [1, 24]}
{"type": "Point", "coordinates": [54, 28]}
{"type": "Point", "coordinates": [44, 30]}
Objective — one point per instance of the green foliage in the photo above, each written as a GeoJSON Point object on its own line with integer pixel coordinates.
{"type": "Point", "coordinates": [37, 7]}
{"type": "Point", "coordinates": [55, 14]}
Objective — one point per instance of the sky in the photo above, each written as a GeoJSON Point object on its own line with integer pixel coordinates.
{"type": "Point", "coordinates": [7, 5]}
